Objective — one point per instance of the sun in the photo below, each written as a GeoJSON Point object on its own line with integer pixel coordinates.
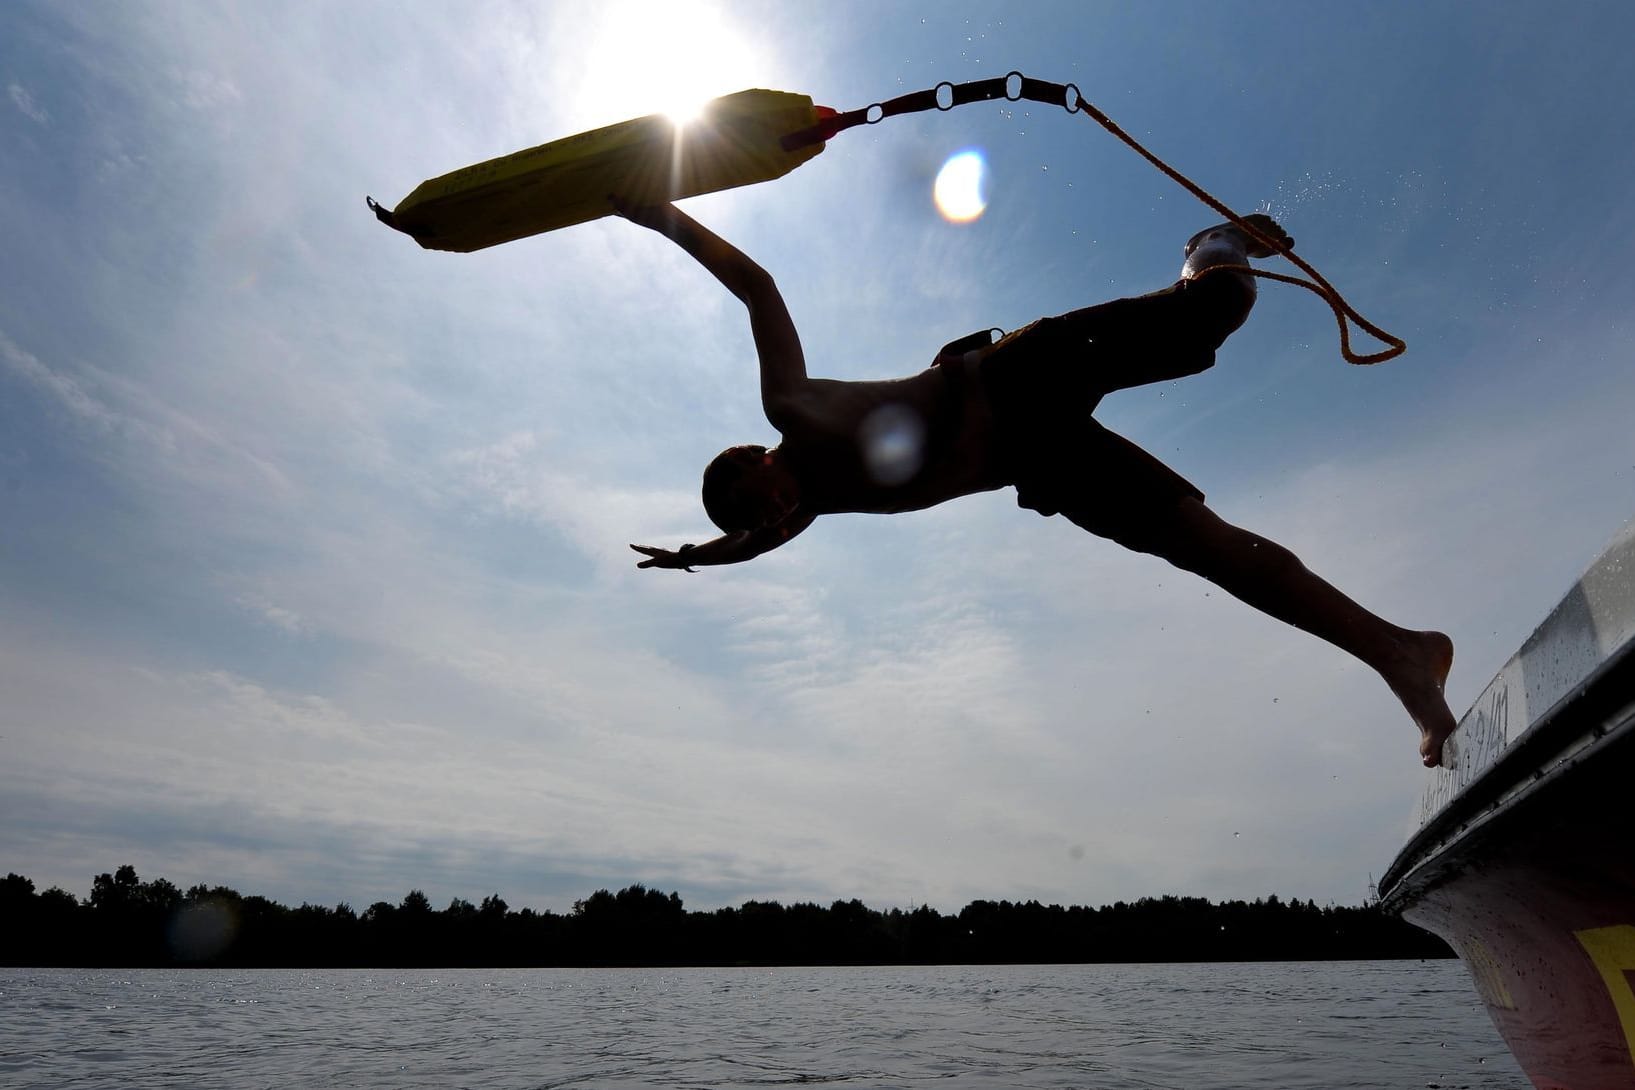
{"type": "Point", "coordinates": [682, 114]}
{"type": "Point", "coordinates": [668, 58]}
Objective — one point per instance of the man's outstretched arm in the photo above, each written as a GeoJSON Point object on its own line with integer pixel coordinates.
{"type": "Point", "coordinates": [783, 364]}
{"type": "Point", "coordinates": [730, 548]}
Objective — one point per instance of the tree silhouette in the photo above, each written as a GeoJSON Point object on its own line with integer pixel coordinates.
{"type": "Point", "coordinates": [127, 921]}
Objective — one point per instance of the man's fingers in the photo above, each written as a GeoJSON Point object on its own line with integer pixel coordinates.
{"type": "Point", "coordinates": [655, 216]}
{"type": "Point", "coordinates": [1269, 227]}
{"type": "Point", "coordinates": [656, 557]}
{"type": "Point", "coordinates": [640, 215]}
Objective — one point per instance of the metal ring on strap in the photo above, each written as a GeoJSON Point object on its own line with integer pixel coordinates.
{"type": "Point", "coordinates": [1070, 98]}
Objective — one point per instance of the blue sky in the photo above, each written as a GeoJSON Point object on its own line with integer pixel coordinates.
{"type": "Point", "coordinates": [313, 565]}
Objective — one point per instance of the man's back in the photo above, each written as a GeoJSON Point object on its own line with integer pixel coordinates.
{"type": "Point", "coordinates": [886, 446]}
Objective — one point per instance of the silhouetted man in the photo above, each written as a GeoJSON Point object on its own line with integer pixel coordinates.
{"type": "Point", "coordinates": [1018, 413]}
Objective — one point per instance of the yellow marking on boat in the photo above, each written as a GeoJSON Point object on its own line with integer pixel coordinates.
{"type": "Point", "coordinates": [1613, 951]}
{"type": "Point", "coordinates": [1488, 974]}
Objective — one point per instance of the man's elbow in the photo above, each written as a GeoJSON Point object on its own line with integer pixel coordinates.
{"type": "Point", "coordinates": [754, 285]}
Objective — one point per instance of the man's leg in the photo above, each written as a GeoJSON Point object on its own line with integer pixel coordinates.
{"type": "Point", "coordinates": [1156, 337]}
{"type": "Point", "coordinates": [1273, 580]}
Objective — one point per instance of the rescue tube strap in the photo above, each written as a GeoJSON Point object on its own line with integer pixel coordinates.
{"type": "Point", "coordinates": [1015, 87]}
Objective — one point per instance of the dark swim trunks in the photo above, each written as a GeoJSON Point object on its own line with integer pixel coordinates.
{"type": "Point", "coordinates": [1045, 380]}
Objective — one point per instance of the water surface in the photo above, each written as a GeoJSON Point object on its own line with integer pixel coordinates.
{"type": "Point", "coordinates": [1334, 1025]}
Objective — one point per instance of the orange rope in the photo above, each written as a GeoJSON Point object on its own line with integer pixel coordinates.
{"type": "Point", "coordinates": [1058, 94]}
{"type": "Point", "coordinates": [1336, 301]}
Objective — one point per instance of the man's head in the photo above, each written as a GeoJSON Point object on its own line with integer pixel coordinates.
{"type": "Point", "coordinates": [749, 487]}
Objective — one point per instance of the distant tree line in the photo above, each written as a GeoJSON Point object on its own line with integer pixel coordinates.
{"type": "Point", "coordinates": [130, 922]}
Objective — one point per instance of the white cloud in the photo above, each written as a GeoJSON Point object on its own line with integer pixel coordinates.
{"type": "Point", "coordinates": [24, 101]}
{"type": "Point", "coordinates": [143, 425]}
{"type": "Point", "coordinates": [205, 90]}
{"type": "Point", "coordinates": [285, 619]}
{"type": "Point", "coordinates": [67, 391]}
{"type": "Point", "coordinates": [387, 631]}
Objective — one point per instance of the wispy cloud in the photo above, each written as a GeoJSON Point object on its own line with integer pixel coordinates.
{"type": "Point", "coordinates": [315, 565]}
{"type": "Point", "coordinates": [68, 392]}
{"type": "Point", "coordinates": [118, 408]}
{"type": "Point", "coordinates": [24, 101]}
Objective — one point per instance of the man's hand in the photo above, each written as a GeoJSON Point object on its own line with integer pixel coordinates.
{"type": "Point", "coordinates": [1227, 243]}
{"type": "Point", "coordinates": [663, 558]}
{"type": "Point", "coordinates": [1269, 227]}
{"type": "Point", "coordinates": [732, 547]}
{"type": "Point", "coordinates": [655, 217]}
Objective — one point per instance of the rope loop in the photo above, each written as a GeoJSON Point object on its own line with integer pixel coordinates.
{"type": "Point", "coordinates": [1329, 293]}
{"type": "Point", "coordinates": [1014, 86]}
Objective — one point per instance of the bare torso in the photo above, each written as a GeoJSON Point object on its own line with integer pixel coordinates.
{"type": "Point", "coordinates": [898, 445]}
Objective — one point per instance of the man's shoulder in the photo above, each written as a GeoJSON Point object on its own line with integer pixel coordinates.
{"type": "Point", "coordinates": [792, 411]}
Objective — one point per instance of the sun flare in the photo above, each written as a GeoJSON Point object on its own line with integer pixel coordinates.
{"type": "Point", "coordinates": [960, 190]}
{"type": "Point", "coordinates": [682, 114]}
{"type": "Point", "coordinates": [669, 58]}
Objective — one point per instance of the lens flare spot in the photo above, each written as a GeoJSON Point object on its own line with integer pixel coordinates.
{"type": "Point", "coordinates": [893, 442]}
{"type": "Point", "coordinates": [202, 929]}
{"type": "Point", "coordinates": [960, 191]}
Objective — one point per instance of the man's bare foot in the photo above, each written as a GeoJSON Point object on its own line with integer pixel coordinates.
{"type": "Point", "coordinates": [1416, 675]}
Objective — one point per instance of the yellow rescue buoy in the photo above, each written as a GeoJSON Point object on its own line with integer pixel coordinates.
{"type": "Point", "coordinates": [737, 141]}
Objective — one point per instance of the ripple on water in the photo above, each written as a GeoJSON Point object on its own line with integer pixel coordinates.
{"type": "Point", "coordinates": [1335, 1026]}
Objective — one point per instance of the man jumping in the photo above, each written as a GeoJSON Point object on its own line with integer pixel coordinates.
{"type": "Point", "coordinates": [1018, 413]}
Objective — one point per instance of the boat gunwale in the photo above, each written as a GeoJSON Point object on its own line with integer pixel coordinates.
{"type": "Point", "coordinates": [1597, 716]}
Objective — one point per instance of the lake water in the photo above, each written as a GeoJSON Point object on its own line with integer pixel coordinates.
{"type": "Point", "coordinates": [1334, 1025]}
